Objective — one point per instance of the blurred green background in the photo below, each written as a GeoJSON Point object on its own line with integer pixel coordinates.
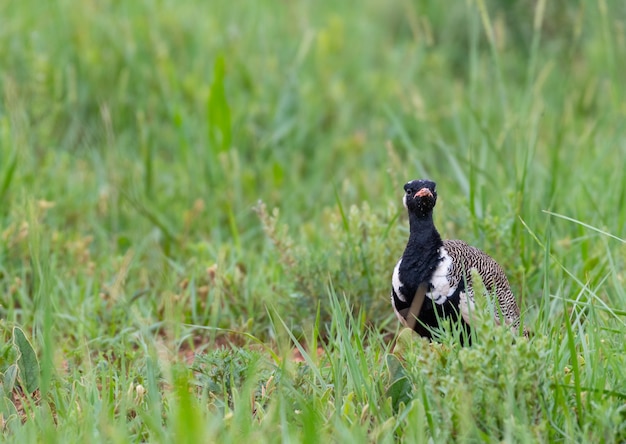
{"type": "Point", "coordinates": [138, 140]}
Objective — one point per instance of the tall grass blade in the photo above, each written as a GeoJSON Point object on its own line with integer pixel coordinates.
{"type": "Point", "coordinates": [8, 177]}
{"type": "Point", "coordinates": [218, 110]}
{"type": "Point", "coordinates": [591, 227]}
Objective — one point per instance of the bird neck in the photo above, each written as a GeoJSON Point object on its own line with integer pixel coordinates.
{"type": "Point", "coordinates": [423, 231]}
{"type": "Point", "coordinates": [422, 250]}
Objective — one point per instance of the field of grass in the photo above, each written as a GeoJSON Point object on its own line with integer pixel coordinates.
{"type": "Point", "coordinates": [200, 211]}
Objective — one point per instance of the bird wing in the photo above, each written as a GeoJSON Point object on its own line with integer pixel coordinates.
{"type": "Point", "coordinates": [464, 258]}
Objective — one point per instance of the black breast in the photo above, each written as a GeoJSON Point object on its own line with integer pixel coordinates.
{"type": "Point", "coordinates": [432, 315]}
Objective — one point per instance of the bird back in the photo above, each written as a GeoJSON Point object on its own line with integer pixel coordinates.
{"type": "Point", "coordinates": [465, 258]}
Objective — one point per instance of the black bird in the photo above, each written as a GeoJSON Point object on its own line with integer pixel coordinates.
{"type": "Point", "coordinates": [432, 280]}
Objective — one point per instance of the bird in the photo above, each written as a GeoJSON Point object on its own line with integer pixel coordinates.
{"type": "Point", "coordinates": [432, 281]}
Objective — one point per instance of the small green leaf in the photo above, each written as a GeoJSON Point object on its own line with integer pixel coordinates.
{"type": "Point", "coordinates": [7, 408]}
{"type": "Point", "coordinates": [10, 375]}
{"type": "Point", "coordinates": [405, 341]}
{"type": "Point", "coordinates": [394, 367]}
{"type": "Point", "coordinates": [400, 390]}
{"type": "Point", "coordinates": [27, 362]}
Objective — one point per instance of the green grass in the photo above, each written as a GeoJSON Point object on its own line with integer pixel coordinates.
{"type": "Point", "coordinates": [194, 194]}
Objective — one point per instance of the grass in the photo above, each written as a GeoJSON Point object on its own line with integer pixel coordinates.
{"type": "Point", "coordinates": [200, 212]}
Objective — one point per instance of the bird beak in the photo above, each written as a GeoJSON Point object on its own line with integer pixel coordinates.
{"type": "Point", "coordinates": [423, 192]}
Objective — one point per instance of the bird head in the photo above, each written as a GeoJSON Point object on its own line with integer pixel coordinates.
{"type": "Point", "coordinates": [420, 196]}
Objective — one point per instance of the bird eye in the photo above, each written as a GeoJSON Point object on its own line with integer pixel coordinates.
{"type": "Point", "coordinates": [408, 191]}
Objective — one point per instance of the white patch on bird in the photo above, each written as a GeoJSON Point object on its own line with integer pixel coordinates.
{"type": "Point", "coordinates": [441, 289]}
{"type": "Point", "coordinates": [467, 307]}
{"type": "Point", "coordinates": [404, 201]}
{"type": "Point", "coordinates": [395, 281]}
